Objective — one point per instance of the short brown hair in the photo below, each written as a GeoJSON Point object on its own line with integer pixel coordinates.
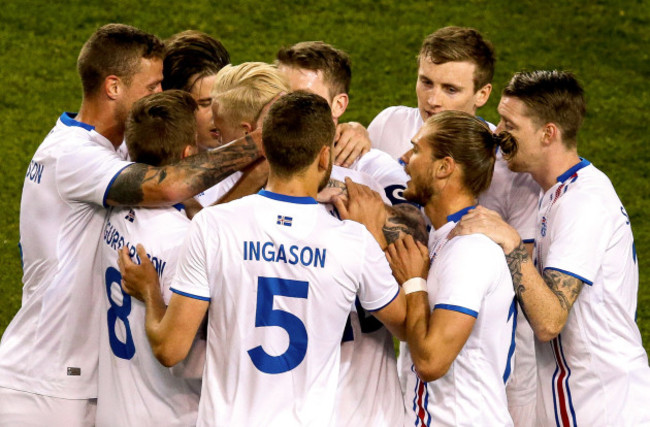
{"type": "Point", "coordinates": [470, 142]}
{"type": "Point", "coordinates": [115, 49]}
{"type": "Point", "coordinates": [456, 44]}
{"type": "Point", "coordinates": [319, 56]}
{"type": "Point", "coordinates": [551, 97]}
{"type": "Point", "coordinates": [297, 126]}
{"type": "Point", "coordinates": [160, 126]}
{"type": "Point", "coordinates": [190, 56]}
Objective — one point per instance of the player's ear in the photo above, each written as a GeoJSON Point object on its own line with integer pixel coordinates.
{"type": "Point", "coordinates": [445, 167]}
{"type": "Point", "coordinates": [112, 86]}
{"type": "Point", "coordinates": [339, 105]}
{"type": "Point", "coordinates": [551, 132]}
{"type": "Point", "coordinates": [247, 127]}
{"type": "Point", "coordinates": [189, 150]}
{"type": "Point", "coordinates": [325, 157]}
{"type": "Point", "coordinates": [482, 95]}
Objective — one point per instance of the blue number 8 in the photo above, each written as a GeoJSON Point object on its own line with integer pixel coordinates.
{"type": "Point", "coordinates": [265, 315]}
{"type": "Point", "coordinates": [123, 350]}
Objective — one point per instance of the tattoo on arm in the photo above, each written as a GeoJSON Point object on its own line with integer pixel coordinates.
{"type": "Point", "coordinates": [515, 259]}
{"type": "Point", "coordinates": [187, 177]}
{"type": "Point", "coordinates": [405, 219]}
{"type": "Point", "coordinates": [335, 183]}
{"type": "Point", "coordinates": [566, 288]}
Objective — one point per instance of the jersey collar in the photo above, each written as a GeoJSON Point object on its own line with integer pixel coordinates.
{"type": "Point", "coordinates": [575, 168]}
{"type": "Point", "coordinates": [68, 120]}
{"type": "Point", "coordinates": [287, 198]}
{"type": "Point", "coordinates": [455, 217]}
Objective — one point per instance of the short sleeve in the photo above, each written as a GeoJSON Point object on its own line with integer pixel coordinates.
{"type": "Point", "coordinates": [579, 236]}
{"type": "Point", "coordinates": [191, 278]}
{"type": "Point", "coordinates": [85, 172]}
{"type": "Point", "coordinates": [466, 271]}
{"type": "Point", "coordinates": [377, 287]}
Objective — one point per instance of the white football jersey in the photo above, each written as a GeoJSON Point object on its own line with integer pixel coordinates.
{"type": "Point", "coordinates": [469, 275]}
{"type": "Point", "coordinates": [281, 275]}
{"type": "Point", "coordinates": [595, 372]}
{"type": "Point", "coordinates": [51, 345]}
{"type": "Point", "coordinates": [394, 128]}
{"type": "Point", "coordinates": [386, 171]}
{"type": "Point", "coordinates": [134, 388]}
{"type": "Point", "coordinates": [213, 194]}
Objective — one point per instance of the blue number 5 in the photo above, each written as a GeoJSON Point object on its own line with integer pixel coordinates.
{"type": "Point", "coordinates": [123, 350]}
{"type": "Point", "coordinates": [265, 315]}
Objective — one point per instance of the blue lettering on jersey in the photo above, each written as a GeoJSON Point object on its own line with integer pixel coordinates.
{"type": "Point", "coordinates": [35, 172]}
{"type": "Point", "coordinates": [270, 252]}
{"type": "Point", "coordinates": [112, 238]}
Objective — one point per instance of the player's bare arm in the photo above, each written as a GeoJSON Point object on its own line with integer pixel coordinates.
{"type": "Point", "coordinates": [351, 142]}
{"type": "Point", "coordinates": [170, 330]}
{"type": "Point", "coordinates": [393, 316]}
{"type": "Point", "coordinates": [405, 220]}
{"type": "Point", "coordinates": [434, 339]}
{"type": "Point", "coordinates": [143, 185]}
{"type": "Point", "coordinates": [253, 179]}
{"type": "Point", "coordinates": [546, 300]}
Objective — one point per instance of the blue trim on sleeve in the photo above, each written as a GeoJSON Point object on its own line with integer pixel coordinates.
{"type": "Point", "coordinates": [185, 294]}
{"type": "Point", "coordinates": [287, 198]}
{"type": "Point", "coordinates": [391, 300]}
{"type": "Point", "coordinates": [458, 309]}
{"type": "Point", "coordinates": [179, 207]}
{"type": "Point", "coordinates": [528, 240]}
{"type": "Point", "coordinates": [68, 120]}
{"type": "Point", "coordinates": [108, 187]}
{"type": "Point", "coordinates": [455, 217]}
{"type": "Point", "coordinates": [587, 282]}
{"type": "Point", "coordinates": [575, 168]}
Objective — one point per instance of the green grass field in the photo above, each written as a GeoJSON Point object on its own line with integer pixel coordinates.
{"type": "Point", "coordinates": [604, 42]}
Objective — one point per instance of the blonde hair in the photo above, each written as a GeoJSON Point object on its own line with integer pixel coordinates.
{"type": "Point", "coordinates": [243, 90]}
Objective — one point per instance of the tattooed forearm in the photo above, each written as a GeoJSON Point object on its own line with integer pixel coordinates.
{"type": "Point", "coordinates": [566, 288]}
{"type": "Point", "coordinates": [127, 187]}
{"type": "Point", "coordinates": [141, 184]}
{"type": "Point", "coordinates": [405, 219]}
{"type": "Point", "coordinates": [515, 259]}
{"type": "Point", "coordinates": [335, 183]}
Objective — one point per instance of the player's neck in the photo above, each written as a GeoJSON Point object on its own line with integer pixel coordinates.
{"type": "Point", "coordinates": [102, 117]}
{"type": "Point", "coordinates": [555, 166]}
{"type": "Point", "coordinates": [440, 206]}
{"type": "Point", "coordinates": [297, 186]}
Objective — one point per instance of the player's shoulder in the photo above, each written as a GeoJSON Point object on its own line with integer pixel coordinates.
{"type": "Point", "coordinates": [586, 190]}
{"type": "Point", "coordinates": [397, 112]}
{"type": "Point", "coordinates": [474, 247]}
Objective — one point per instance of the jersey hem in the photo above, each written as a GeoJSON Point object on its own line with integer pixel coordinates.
{"type": "Point", "coordinates": [587, 282]}
{"type": "Point", "coordinates": [187, 294]}
{"type": "Point", "coordinates": [457, 308]}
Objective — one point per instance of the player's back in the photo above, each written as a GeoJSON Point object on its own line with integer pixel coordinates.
{"type": "Point", "coordinates": [282, 276]}
{"type": "Point", "coordinates": [134, 388]}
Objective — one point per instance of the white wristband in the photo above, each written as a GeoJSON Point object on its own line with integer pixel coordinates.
{"type": "Point", "coordinates": [416, 284]}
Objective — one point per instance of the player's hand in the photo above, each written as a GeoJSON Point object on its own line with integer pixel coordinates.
{"type": "Point", "coordinates": [408, 259]}
{"type": "Point", "coordinates": [334, 189]}
{"type": "Point", "coordinates": [485, 221]}
{"type": "Point", "coordinates": [351, 142]}
{"type": "Point", "coordinates": [141, 280]}
{"type": "Point", "coordinates": [364, 206]}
